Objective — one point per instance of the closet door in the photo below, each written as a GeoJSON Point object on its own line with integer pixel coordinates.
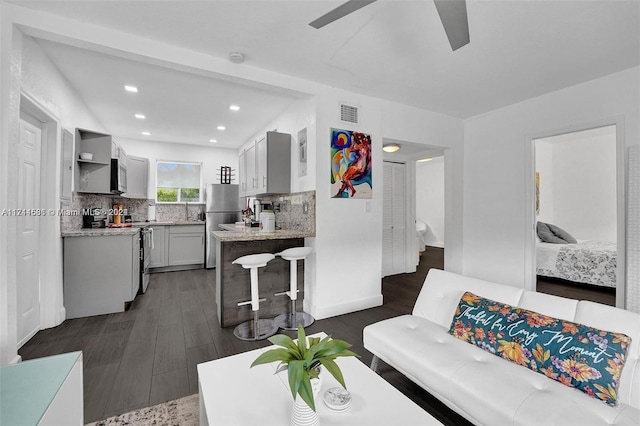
{"type": "Point", "coordinates": [393, 219]}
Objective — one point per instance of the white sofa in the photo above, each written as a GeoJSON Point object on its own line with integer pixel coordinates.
{"type": "Point", "coordinates": [489, 390]}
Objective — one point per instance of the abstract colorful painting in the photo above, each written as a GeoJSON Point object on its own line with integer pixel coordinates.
{"type": "Point", "coordinates": [350, 164]}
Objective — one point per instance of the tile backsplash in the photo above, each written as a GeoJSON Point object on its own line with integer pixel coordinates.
{"type": "Point", "coordinates": [137, 208]}
{"type": "Point", "coordinates": [293, 211]}
{"type": "Point", "coordinates": [178, 212]}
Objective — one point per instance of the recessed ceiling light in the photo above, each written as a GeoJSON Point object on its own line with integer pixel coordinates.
{"type": "Point", "coordinates": [140, 116]}
{"type": "Point", "coordinates": [424, 160]}
{"type": "Point", "coordinates": [213, 140]}
{"type": "Point", "coordinates": [221, 128]}
{"type": "Point", "coordinates": [391, 147]}
{"type": "Point", "coordinates": [132, 89]}
{"type": "Point", "coordinates": [146, 133]}
{"type": "Point", "coordinates": [234, 107]}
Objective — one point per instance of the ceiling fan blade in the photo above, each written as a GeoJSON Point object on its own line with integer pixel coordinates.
{"type": "Point", "coordinates": [453, 14]}
{"type": "Point", "coordinates": [340, 11]}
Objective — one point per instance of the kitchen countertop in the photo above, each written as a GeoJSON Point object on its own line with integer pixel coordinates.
{"type": "Point", "coordinates": [238, 233]}
{"type": "Point", "coordinates": [101, 232]}
{"type": "Point", "coordinates": [171, 223]}
{"type": "Point", "coordinates": [128, 230]}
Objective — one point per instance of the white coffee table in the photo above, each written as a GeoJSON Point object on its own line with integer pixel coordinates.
{"type": "Point", "coordinates": [231, 393]}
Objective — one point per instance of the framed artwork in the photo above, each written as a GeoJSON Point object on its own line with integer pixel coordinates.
{"type": "Point", "coordinates": [350, 164]}
{"type": "Point", "coordinates": [537, 193]}
{"type": "Point", "coordinates": [302, 144]}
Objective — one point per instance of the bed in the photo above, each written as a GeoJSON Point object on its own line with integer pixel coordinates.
{"type": "Point", "coordinates": [589, 262]}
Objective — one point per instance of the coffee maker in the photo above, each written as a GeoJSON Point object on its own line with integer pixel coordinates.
{"type": "Point", "coordinates": [94, 219]}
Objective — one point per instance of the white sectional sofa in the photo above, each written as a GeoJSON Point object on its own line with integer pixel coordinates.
{"type": "Point", "coordinates": [483, 387]}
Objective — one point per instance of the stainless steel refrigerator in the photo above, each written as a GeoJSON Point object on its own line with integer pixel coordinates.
{"type": "Point", "coordinates": [222, 206]}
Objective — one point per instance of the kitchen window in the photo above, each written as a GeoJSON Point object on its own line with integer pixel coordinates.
{"type": "Point", "coordinates": [178, 182]}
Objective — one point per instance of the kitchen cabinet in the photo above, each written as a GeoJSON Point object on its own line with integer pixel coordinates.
{"type": "Point", "coordinates": [159, 252]}
{"type": "Point", "coordinates": [186, 245]}
{"type": "Point", "coordinates": [265, 166]}
{"type": "Point", "coordinates": [177, 247]}
{"type": "Point", "coordinates": [137, 177]}
{"type": "Point", "coordinates": [273, 164]}
{"type": "Point", "coordinates": [247, 162]}
{"type": "Point", "coordinates": [66, 166]}
{"type": "Point", "coordinates": [101, 273]}
{"type": "Point", "coordinates": [93, 176]}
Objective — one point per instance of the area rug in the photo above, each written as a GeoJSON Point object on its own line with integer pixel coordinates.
{"type": "Point", "coordinates": [179, 412]}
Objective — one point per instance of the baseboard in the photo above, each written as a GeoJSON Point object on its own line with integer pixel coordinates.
{"type": "Point", "coordinates": [321, 312]}
{"type": "Point", "coordinates": [15, 360]}
{"type": "Point", "coordinates": [176, 268]}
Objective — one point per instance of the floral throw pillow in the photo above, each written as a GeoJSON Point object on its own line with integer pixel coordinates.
{"type": "Point", "coordinates": [575, 355]}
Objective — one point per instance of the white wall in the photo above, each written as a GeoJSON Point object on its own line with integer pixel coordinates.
{"type": "Point", "coordinates": [402, 122]}
{"type": "Point", "coordinates": [497, 151]}
{"type": "Point", "coordinates": [211, 158]}
{"type": "Point", "coordinates": [349, 231]}
{"type": "Point", "coordinates": [299, 115]}
{"type": "Point", "coordinates": [430, 199]}
{"type": "Point", "coordinates": [25, 68]}
{"type": "Point", "coordinates": [344, 273]}
{"type": "Point", "coordinates": [582, 183]}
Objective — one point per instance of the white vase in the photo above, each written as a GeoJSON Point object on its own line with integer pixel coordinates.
{"type": "Point", "coordinates": [301, 413]}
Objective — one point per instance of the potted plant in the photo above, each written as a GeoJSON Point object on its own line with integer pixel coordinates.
{"type": "Point", "coordinates": [303, 361]}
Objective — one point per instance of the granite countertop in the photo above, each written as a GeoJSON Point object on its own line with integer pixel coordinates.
{"type": "Point", "coordinates": [126, 230]}
{"type": "Point", "coordinates": [173, 223]}
{"type": "Point", "coordinates": [100, 232]}
{"type": "Point", "coordinates": [239, 233]}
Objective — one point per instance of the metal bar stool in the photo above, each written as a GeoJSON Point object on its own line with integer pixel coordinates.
{"type": "Point", "coordinates": [256, 329]}
{"type": "Point", "coordinates": [291, 320]}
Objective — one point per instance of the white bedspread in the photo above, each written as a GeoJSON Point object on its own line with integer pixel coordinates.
{"type": "Point", "coordinates": [590, 262]}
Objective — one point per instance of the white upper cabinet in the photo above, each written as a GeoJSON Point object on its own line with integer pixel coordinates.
{"type": "Point", "coordinates": [265, 166]}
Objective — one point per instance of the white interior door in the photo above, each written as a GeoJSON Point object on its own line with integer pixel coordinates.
{"type": "Point", "coordinates": [393, 219]}
{"type": "Point", "coordinates": [28, 288]}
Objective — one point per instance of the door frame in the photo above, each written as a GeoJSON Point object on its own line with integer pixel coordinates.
{"type": "Point", "coordinates": [52, 310]}
{"type": "Point", "coordinates": [621, 202]}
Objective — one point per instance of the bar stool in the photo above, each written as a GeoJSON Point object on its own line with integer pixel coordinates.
{"type": "Point", "coordinates": [256, 329]}
{"type": "Point", "coordinates": [291, 320]}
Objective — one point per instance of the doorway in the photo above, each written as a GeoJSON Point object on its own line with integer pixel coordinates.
{"type": "Point", "coordinates": [39, 303]}
{"type": "Point", "coordinates": [28, 228]}
{"type": "Point", "coordinates": [578, 251]}
{"type": "Point", "coordinates": [400, 225]}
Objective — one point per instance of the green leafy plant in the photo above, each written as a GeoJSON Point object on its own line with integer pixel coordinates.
{"type": "Point", "coordinates": [167, 195]}
{"type": "Point", "coordinates": [303, 362]}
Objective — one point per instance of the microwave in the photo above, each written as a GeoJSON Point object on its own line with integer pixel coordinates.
{"type": "Point", "coordinates": [118, 176]}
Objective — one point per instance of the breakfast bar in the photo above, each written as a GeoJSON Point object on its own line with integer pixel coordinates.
{"type": "Point", "coordinates": [232, 281]}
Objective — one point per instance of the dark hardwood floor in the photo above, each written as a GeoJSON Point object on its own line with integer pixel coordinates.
{"type": "Point", "coordinates": [149, 354]}
{"type": "Point", "coordinates": [563, 288]}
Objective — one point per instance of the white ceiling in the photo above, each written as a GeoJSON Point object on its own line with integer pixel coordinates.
{"type": "Point", "coordinates": [179, 106]}
{"type": "Point", "coordinates": [395, 50]}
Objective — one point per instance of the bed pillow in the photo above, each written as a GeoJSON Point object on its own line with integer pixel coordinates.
{"type": "Point", "coordinates": [561, 233]}
{"type": "Point", "coordinates": [573, 354]}
{"type": "Point", "coordinates": [546, 235]}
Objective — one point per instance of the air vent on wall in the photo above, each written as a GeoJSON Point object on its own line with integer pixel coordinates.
{"type": "Point", "coordinates": [348, 114]}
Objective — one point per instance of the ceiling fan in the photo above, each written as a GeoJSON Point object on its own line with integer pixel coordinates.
{"type": "Point", "coordinates": [453, 14]}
